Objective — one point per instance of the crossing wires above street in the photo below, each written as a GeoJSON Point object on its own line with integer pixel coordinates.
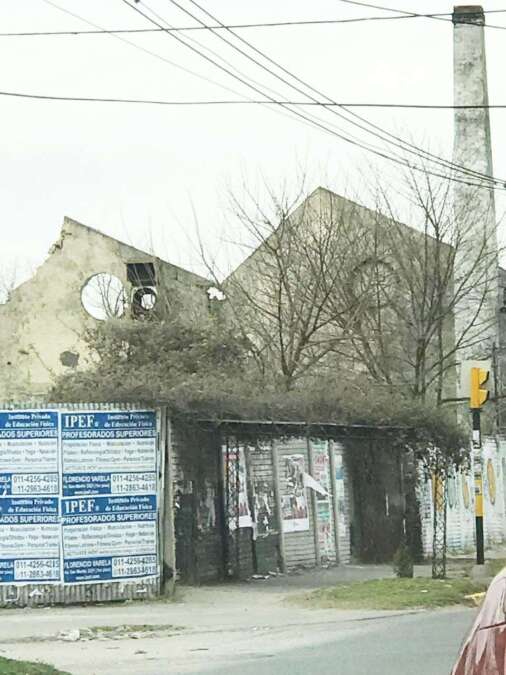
{"type": "Point", "coordinates": [313, 99]}
{"type": "Point", "coordinates": [458, 172]}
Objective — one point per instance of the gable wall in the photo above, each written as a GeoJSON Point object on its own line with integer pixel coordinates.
{"type": "Point", "coordinates": [45, 317]}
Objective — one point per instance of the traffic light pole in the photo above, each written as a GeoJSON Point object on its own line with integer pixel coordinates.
{"type": "Point", "coordinates": [478, 486]}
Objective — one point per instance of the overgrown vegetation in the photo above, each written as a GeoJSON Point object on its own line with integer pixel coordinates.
{"type": "Point", "coordinates": [10, 667]}
{"type": "Point", "coordinates": [496, 565]}
{"type": "Point", "coordinates": [340, 315]}
{"type": "Point", "coordinates": [394, 594]}
{"type": "Point", "coordinates": [403, 563]}
{"type": "Point", "coordinates": [207, 370]}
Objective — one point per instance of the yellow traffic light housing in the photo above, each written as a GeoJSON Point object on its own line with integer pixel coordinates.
{"type": "Point", "coordinates": [479, 394]}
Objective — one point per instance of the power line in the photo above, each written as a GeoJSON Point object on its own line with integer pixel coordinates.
{"type": "Point", "coordinates": [96, 99]}
{"type": "Point", "coordinates": [314, 122]}
{"type": "Point", "coordinates": [149, 52]}
{"type": "Point", "coordinates": [407, 14]}
{"type": "Point", "coordinates": [237, 26]}
{"type": "Point", "coordinates": [404, 145]}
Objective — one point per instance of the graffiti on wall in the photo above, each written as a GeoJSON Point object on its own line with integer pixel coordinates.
{"type": "Point", "coordinates": [451, 491]}
{"type": "Point", "coordinates": [294, 509]}
{"type": "Point", "coordinates": [491, 487]}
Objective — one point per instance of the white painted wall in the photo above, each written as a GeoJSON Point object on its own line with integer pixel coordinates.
{"type": "Point", "coordinates": [460, 515]}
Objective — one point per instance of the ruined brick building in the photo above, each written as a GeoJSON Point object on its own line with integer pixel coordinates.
{"type": "Point", "coordinates": [88, 276]}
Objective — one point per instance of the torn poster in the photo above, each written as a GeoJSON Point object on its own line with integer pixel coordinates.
{"type": "Point", "coordinates": [294, 508]}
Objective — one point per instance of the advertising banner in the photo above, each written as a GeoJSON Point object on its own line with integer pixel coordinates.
{"type": "Point", "coordinates": [109, 508]}
{"type": "Point", "coordinates": [29, 504]}
{"type": "Point", "coordinates": [78, 496]}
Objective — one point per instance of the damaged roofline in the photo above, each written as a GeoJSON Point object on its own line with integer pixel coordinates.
{"type": "Point", "coordinates": [73, 222]}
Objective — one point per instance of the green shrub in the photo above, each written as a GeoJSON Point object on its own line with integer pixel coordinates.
{"type": "Point", "coordinates": [403, 562]}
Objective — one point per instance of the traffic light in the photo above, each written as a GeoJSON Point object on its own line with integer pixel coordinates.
{"type": "Point", "coordinates": [479, 394]}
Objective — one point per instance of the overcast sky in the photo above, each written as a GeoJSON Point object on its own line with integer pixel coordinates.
{"type": "Point", "coordinates": [145, 174]}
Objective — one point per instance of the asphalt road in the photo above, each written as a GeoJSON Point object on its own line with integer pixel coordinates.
{"type": "Point", "coordinates": [421, 644]}
{"type": "Point", "coordinates": [227, 631]}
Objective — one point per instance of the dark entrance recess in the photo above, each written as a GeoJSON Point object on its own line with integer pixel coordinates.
{"type": "Point", "coordinates": [385, 505]}
{"type": "Point", "coordinates": [225, 514]}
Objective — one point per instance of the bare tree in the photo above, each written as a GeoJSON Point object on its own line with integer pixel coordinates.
{"type": "Point", "coordinates": [435, 288]}
{"type": "Point", "coordinates": [291, 296]}
{"type": "Point", "coordinates": [331, 284]}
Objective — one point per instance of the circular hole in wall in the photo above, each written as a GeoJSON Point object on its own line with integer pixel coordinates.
{"type": "Point", "coordinates": [103, 296]}
{"type": "Point", "coordinates": [143, 301]}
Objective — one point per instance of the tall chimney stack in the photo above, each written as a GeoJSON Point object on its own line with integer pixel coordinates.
{"type": "Point", "coordinates": [474, 205]}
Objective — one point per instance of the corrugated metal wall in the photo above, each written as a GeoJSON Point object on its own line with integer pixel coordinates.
{"type": "Point", "coordinates": [344, 504]}
{"type": "Point", "coordinates": [299, 546]}
{"type": "Point", "coordinates": [239, 549]}
{"type": "Point", "coordinates": [266, 543]}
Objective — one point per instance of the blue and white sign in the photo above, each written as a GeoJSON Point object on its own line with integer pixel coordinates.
{"type": "Point", "coordinates": [109, 506]}
{"type": "Point", "coordinates": [30, 539]}
{"type": "Point", "coordinates": [78, 496]}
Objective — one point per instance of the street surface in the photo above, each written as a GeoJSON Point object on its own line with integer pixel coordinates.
{"type": "Point", "coordinates": [229, 629]}
{"type": "Point", "coordinates": [421, 644]}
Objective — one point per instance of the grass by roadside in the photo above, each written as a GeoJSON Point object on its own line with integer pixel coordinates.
{"type": "Point", "coordinates": [9, 667]}
{"type": "Point", "coordinates": [392, 594]}
{"type": "Point", "coordinates": [495, 565]}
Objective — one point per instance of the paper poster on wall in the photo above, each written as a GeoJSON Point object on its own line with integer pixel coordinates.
{"type": "Point", "coordinates": [109, 508]}
{"type": "Point", "coordinates": [340, 493]}
{"type": "Point", "coordinates": [321, 473]}
{"type": "Point", "coordinates": [325, 531]}
{"type": "Point", "coordinates": [236, 488]}
{"type": "Point", "coordinates": [294, 509]}
{"type": "Point", "coordinates": [29, 491]}
{"type": "Point", "coordinates": [264, 508]}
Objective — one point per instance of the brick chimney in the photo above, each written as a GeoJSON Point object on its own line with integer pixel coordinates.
{"type": "Point", "coordinates": [474, 207]}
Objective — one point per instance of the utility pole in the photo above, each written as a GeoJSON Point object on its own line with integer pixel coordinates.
{"type": "Point", "coordinates": [478, 396]}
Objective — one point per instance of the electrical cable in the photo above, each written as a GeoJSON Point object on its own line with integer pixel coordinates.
{"type": "Point", "coordinates": [142, 49]}
{"type": "Point", "coordinates": [437, 17]}
{"type": "Point", "coordinates": [149, 52]}
{"type": "Point", "coordinates": [247, 80]}
{"type": "Point", "coordinates": [318, 124]}
{"type": "Point", "coordinates": [406, 146]}
{"type": "Point", "coordinates": [154, 54]}
{"type": "Point", "coordinates": [96, 99]}
{"type": "Point", "coordinates": [237, 26]}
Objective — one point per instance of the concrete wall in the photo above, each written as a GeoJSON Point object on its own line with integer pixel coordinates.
{"type": "Point", "coordinates": [45, 317]}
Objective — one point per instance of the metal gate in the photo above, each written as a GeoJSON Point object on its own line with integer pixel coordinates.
{"type": "Point", "coordinates": [239, 511]}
